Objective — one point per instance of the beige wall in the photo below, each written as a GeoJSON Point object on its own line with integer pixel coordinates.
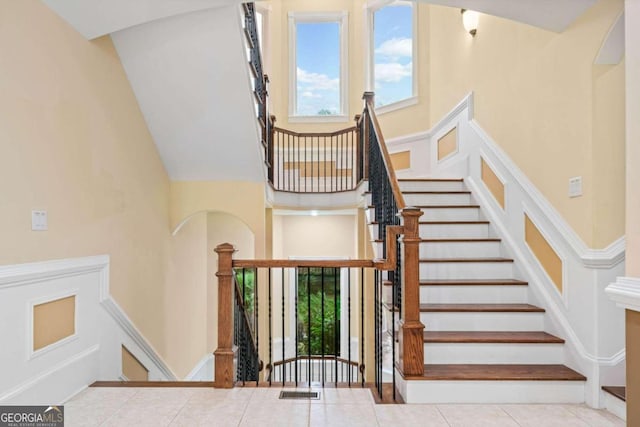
{"type": "Point", "coordinates": [408, 120]}
{"type": "Point", "coordinates": [538, 94]}
{"type": "Point", "coordinates": [185, 302]}
{"type": "Point", "coordinates": [632, 16]}
{"type": "Point", "coordinates": [315, 236]}
{"type": "Point", "coordinates": [632, 50]}
{"type": "Point", "coordinates": [223, 228]}
{"type": "Point", "coordinates": [244, 200]}
{"type": "Point", "coordinates": [73, 142]}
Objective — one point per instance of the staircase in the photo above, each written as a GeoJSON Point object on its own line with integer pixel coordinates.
{"type": "Point", "coordinates": [483, 342]}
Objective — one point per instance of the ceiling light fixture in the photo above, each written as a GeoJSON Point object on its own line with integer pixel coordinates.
{"type": "Point", "coordinates": [470, 21]}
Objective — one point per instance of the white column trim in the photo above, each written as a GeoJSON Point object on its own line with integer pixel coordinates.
{"type": "Point", "coordinates": [625, 292]}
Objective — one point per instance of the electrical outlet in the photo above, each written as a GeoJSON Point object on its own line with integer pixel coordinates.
{"type": "Point", "coordinates": [575, 186]}
{"type": "Point", "coordinates": [39, 221]}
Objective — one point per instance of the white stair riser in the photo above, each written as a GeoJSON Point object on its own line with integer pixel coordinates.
{"type": "Point", "coordinates": [437, 199]}
{"type": "Point", "coordinates": [455, 249]}
{"type": "Point", "coordinates": [450, 214]}
{"type": "Point", "coordinates": [466, 270]}
{"type": "Point", "coordinates": [415, 391]}
{"type": "Point", "coordinates": [474, 321]}
{"type": "Point", "coordinates": [490, 353]}
{"type": "Point", "coordinates": [459, 249]}
{"type": "Point", "coordinates": [453, 231]}
{"type": "Point", "coordinates": [432, 185]}
{"type": "Point", "coordinates": [503, 294]}
{"type": "Point", "coordinates": [616, 406]}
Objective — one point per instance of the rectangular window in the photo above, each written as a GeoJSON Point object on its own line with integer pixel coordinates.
{"type": "Point", "coordinates": [393, 57]}
{"type": "Point", "coordinates": [318, 77]}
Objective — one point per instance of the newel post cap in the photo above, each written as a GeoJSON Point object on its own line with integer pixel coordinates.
{"type": "Point", "coordinates": [225, 248]}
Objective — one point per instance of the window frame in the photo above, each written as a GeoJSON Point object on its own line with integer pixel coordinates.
{"type": "Point", "coordinates": [341, 18]}
{"type": "Point", "coordinates": [371, 8]}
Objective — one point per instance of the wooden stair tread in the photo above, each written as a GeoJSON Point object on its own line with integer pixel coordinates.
{"type": "Point", "coordinates": [447, 206]}
{"type": "Point", "coordinates": [431, 179]}
{"type": "Point", "coordinates": [436, 192]}
{"type": "Point", "coordinates": [459, 260]}
{"type": "Point", "coordinates": [499, 373]}
{"type": "Point", "coordinates": [462, 240]}
{"type": "Point", "coordinates": [502, 337]}
{"type": "Point", "coordinates": [480, 308]}
{"type": "Point", "coordinates": [618, 391]}
{"type": "Point", "coordinates": [453, 222]}
{"type": "Point", "coordinates": [472, 240]}
{"type": "Point", "coordinates": [474, 282]}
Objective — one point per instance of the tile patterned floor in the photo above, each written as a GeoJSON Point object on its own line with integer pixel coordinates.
{"type": "Point", "coordinates": [337, 407]}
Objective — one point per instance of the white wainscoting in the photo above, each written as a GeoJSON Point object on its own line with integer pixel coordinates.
{"type": "Point", "coordinates": [591, 324]}
{"type": "Point", "coordinates": [204, 370]}
{"type": "Point", "coordinates": [55, 373]}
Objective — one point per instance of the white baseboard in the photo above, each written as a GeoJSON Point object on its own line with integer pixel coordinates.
{"type": "Point", "coordinates": [63, 369]}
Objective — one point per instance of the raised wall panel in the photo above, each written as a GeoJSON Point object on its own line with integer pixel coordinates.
{"type": "Point", "coordinates": [53, 321]}
{"type": "Point", "coordinates": [448, 144]}
{"type": "Point", "coordinates": [132, 369]}
{"type": "Point", "coordinates": [543, 251]}
{"type": "Point", "coordinates": [493, 183]}
{"type": "Point", "coordinates": [401, 160]}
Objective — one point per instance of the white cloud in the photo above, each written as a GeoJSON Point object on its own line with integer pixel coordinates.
{"type": "Point", "coordinates": [396, 48]}
{"type": "Point", "coordinates": [316, 81]}
{"type": "Point", "coordinates": [392, 72]}
{"type": "Point", "coordinates": [309, 94]}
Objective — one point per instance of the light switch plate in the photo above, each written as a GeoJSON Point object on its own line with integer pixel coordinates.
{"type": "Point", "coordinates": [39, 220]}
{"type": "Point", "coordinates": [575, 186]}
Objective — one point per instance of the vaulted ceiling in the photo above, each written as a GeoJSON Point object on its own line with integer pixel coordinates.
{"type": "Point", "coordinates": [185, 61]}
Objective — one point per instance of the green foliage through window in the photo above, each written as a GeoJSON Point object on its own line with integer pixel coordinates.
{"type": "Point", "coordinates": [318, 313]}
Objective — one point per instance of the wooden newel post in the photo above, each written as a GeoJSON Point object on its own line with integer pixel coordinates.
{"type": "Point", "coordinates": [411, 340]}
{"type": "Point", "coordinates": [225, 353]}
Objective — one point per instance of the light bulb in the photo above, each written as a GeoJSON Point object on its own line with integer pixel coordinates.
{"type": "Point", "coordinates": [470, 21]}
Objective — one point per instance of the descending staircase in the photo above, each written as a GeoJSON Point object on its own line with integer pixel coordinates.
{"type": "Point", "coordinates": [483, 342]}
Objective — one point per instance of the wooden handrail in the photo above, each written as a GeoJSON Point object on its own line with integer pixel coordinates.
{"type": "Point", "coordinates": [369, 101]}
{"type": "Point", "coordinates": [326, 357]}
{"type": "Point", "coordinates": [315, 134]}
{"type": "Point", "coordinates": [393, 231]}
{"type": "Point", "coordinates": [293, 263]}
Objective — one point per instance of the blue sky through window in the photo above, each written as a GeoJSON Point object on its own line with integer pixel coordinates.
{"type": "Point", "coordinates": [318, 68]}
{"type": "Point", "coordinates": [393, 53]}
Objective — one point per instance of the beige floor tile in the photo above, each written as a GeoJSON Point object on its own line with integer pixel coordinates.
{"type": "Point", "coordinates": [95, 405]}
{"type": "Point", "coordinates": [237, 394]}
{"type": "Point", "coordinates": [221, 413]}
{"type": "Point", "coordinates": [272, 395]}
{"type": "Point", "coordinates": [544, 416]}
{"type": "Point", "coordinates": [102, 395]}
{"type": "Point", "coordinates": [595, 417]}
{"type": "Point", "coordinates": [143, 416]}
{"type": "Point", "coordinates": [409, 416]}
{"type": "Point", "coordinates": [276, 413]}
{"type": "Point", "coordinates": [476, 416]}
{"type": "Point", "coordinates": [354, 395]}
{"type": "Point", "coordinates": [343, 415]}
